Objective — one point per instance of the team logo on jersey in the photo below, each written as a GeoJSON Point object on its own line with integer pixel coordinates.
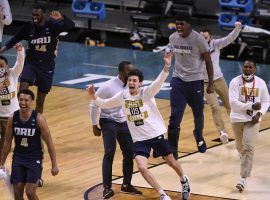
{"type": "Point", "coordinates": [43, 40]}
{"type": "Point", "coordinates": [25, 131]}
{"type": "Point", "coordinates": [182, 49]}
{"type": "Point", "coordinates": [136, 115]}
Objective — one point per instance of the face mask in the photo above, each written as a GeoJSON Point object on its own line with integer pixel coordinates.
{"type": "Point", "coordinates": [248, 77]}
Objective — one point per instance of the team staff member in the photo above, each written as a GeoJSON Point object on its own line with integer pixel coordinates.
{"type": "Point", "coordinates": [27, 126]}
{"type": "Point", "coordinates": [42, 36]}
{"type": "Point", "coordinates": [249, 100]}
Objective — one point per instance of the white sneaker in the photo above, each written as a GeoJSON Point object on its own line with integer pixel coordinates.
{"type": "Point", "coordinates": [224, 137]}
{"type": "Point", "coordinates": [164, 197]}
{"type": "Point", "coordinates": [241, 184]}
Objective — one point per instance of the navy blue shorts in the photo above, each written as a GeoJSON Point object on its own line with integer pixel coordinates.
{"type": "Point", "coordinates": [159, 145]}
{"type": "Point", "coordinates": [38, 77]}
{"type": "Point", "coordinates": [25, 171]}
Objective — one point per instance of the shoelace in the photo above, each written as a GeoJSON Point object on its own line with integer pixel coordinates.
{"type": "Point", "coordinates": [185, 186]}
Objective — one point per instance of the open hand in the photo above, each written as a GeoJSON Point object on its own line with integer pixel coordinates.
{"type": "Point", "coordinates": [56, 15]}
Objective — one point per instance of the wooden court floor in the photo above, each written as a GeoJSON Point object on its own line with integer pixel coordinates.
{"type": "Point", "coordinates": [79, 152]}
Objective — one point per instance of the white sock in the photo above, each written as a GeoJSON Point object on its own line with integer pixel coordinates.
{"type": "Point", "coordinates": [161, 192]}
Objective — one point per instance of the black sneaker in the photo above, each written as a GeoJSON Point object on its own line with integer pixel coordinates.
{"type": "Point", "coordinates": [201, 146]}
{"type": "Point", "coordinates": [130, 190]}
{"type": "Point", "coordinates": [108, 193]}
{"type": "Point", "coordinates": [40, 182]}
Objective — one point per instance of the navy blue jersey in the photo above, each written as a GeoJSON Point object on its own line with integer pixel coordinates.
{"type": "Point", "coordinates": [27, 136]}
{"type": "Point", "coordinates": [42, 40]}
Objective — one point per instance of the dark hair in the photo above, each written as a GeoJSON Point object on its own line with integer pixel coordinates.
{"type": "Point", "coordinates": [205, 29]}
{"type": "Point", "coordinates": [39, 7]}
{"type": "Point", "coordinates": [3, 58]}
{"type": "Point", "coordinates": [183, 17]}
{"type": "Point", "coordinates": [136, 72]}
{"type": "Point", "coordinates": [28, 92]}
{"type": "Point", "coordinates": [252, 60]}
{"type": "Point", "coordinates": [122, 65]}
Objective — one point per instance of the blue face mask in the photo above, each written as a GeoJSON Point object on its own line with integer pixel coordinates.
{"type": "Point", "coordinates": [248, 77]}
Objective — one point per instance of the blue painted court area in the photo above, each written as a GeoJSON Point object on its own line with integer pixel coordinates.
{"type": "Point", "coordinates": [78, 65]}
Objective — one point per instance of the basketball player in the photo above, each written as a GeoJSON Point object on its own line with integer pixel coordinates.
{"type": "Point", "coordinates": [114, 127]}
{"type": "Point", "coordinates": [190, 51]}
{"type": "Point", "coordinates": [220, 85]}
{"type": "Point", "coordinates": [27, 126]}
{"type": "Point", "coordinates": [8, 89]}
{"type": "Point", "coordinates": [249, 100]}
{"type": "Point", "coordinates": [145, 124]}
{"type": "Point", "coordinates": [42, 36]}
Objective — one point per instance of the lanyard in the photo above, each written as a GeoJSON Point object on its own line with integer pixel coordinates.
{"type": "Point", "coordinates": [247, 96]}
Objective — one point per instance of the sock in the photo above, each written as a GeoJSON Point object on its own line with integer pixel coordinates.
{"type": "Point", "coordinates": [161, 192]}
{"type": "Point", "coordinates": [183, 179]}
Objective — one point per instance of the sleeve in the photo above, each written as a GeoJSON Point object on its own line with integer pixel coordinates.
{"type": "Point", "coordinates": [234, 98]}
{"type": "Point", "coordinates": [265, 99]}
{"type": "Point", "coordinates": [112, 102]}
{"type": "Point", "coordinates": [21, 35]}
{"type": "Point", "coordinates": [94, 109]}
{"type": "Point", "coordinates": [6, 13]}
{"type": "Point", "coordinates": [202, 45]}
{"type": "Point", "coordinates": [223, 42]}
{"type": "Point", "coordinates": [63, 25]}
{"type": "Point", "coordinates": [155, 87]}
{"type": "Point", "coordinates": [17, 68]}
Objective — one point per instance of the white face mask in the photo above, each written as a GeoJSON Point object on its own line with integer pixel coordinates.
{"type": "Point", "coordinates": [248, 77]}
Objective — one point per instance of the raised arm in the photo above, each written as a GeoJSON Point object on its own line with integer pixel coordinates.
{"type": "Point", "coordinates": [61, 22]}
{"type": "Point", "coordinates": [17, 68]}
{"type": "Point", "coordinates": [7, 142]}
{"type": "Point", "coordinates": [155, 87]}
{"type": "Point", "coordinates": [223, 42]}
{"type": "Point", "coordinates": [46, 135]}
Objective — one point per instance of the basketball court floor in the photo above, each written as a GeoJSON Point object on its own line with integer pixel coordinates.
{"type": "Point", "coordinates": [213, 175]}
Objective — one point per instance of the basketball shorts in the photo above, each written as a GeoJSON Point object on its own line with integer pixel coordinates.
{"type": "Point", "coordinates": [25, 171]}
{"type": "Point", "coordinates": [159, 145]}
{"type": "Point", "coordinates": [41, 77]}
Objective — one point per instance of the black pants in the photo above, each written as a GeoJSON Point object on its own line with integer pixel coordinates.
{"type": "Point", "coordinates": [112, 131]}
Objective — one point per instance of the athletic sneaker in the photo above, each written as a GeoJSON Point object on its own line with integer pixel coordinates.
{"type": "Point", "coordinates": [40, 182]}
{"type": "Point", "coordinates": [164, 197]}
{"type": "Point", "coordinates": [185, 189]}
{"type": "Point", "coordinates": [130, 189]}
{"type": "Point", "coordinates": [224, 137]}
{"type": "Point", "coordinates": [107, 193]}
{"type": "Point", "coordinates": [201, 146]}
{"type": "Point", "coordinates": [241, 184]}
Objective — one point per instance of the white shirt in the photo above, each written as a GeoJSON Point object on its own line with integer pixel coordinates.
{"type": "Point", "coordinates": [8, 96]}
{"type": "Point", "coordinates": [143, 117]}
{"type": "Point", "coordinates": [215, 46]}
{"type": "Point", "coordinates": [4, 6]}
{"type": "Point", "coordinates": [108, 90]}
{"type": "Point", "coordinates": [241, 108]}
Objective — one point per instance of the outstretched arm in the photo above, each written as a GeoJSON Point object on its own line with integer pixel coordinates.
{"type": "Point", "coordinates": [46, 135]}
{"type": "Point", "coordinates": [109, 103]}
